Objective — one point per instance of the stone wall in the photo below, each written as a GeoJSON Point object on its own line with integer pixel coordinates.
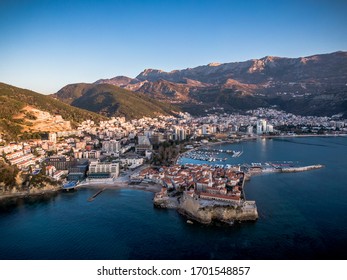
{"type": "Point", "coordinates": [215, 212]}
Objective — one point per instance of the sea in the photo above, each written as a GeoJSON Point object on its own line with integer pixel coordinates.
{"type": "Point", "coordinates": [301, 215]}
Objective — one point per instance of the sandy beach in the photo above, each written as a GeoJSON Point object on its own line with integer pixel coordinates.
{"type": "Point", "coordinates": [144, 187]}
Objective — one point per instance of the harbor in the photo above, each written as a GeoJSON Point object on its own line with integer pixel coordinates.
{"type": "Point", "coordinates": [211, 155]}
{"type": "Point", "coordinates": [231, 156]}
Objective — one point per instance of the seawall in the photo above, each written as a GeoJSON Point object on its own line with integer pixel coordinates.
{"type": "Point", "coordinates": [212, 211]}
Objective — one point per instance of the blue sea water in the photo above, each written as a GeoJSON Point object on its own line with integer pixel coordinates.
{"type": "Point", "coordinates": [301, 216]}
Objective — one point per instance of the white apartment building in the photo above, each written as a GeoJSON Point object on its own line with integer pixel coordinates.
{"type": "Point", "coordinates": [261, 126]}
{"type": "Point", "coordinates": [104, 167]}
{"type": "Point", "coordinates": [132, 161]}
{"type": "Point", "coordinates": [111, 146]}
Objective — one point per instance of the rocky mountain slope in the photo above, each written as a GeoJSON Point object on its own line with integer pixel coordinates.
{"type": "Point", "coordinates": [24, 112]}
{"type": "Point", "coordinates": [306, 85]}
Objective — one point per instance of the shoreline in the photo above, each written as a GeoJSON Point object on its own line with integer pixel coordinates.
{"type": "Point", "coordinates": [235, 141]}
{"type": "Point", "coordinates": [145, 187]}
{"type": "Point", "coordinates": [231, 141]}
{"type": "Point", "coordinates": [8, 198]}
{"type": "Point", "coordinates": [27, 194]}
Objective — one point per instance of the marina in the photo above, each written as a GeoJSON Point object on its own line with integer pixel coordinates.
{"type": "Point", "coordinates": [212, 155]}
{"type": "Point", "coordinates": [227, 157]}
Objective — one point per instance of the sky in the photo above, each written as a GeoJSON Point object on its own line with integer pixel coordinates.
{"type": "Point", "coordinates": [45, 45]}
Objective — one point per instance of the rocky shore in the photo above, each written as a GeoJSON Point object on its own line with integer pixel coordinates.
{"type": "Point", "coordinates": [19, 197]}
{"type": "Point", "coordinates": [20, 193]}
{"type": "Point", "coordinates": [166, 202]}
{"type": "Point", "coordinates": [208, 212]}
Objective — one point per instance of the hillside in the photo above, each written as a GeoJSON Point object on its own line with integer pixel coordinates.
{"type": "Point", "coordinates": [110, 100]}
{"type": "Point", "coordinates": [313, 85]}
{"type": "Point", "coordinates": [24, 112]}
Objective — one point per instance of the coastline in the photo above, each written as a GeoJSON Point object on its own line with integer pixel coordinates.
{"type": "Point", "coordinates": [280, 205]}
{"type": "Point", "coordinates": [238, 140]}
{"type": "Point", "coordinates": [144, 187]}
{"type": "Point", "coordinates": [26, 194]}
{"type": "Point", "coordinates": [255, 137]}
{"type": "Point", "coordinates": [8, 199]}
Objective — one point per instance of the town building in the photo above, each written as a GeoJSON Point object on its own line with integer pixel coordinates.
{"type": "Point", "coordinates": [143, 144]}
{"type": "Point", "coordinates": [112, 146]}
{"type": "Point", "coordinates": [106, 168]}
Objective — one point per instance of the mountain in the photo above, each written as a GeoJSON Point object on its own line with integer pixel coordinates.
{"type": "Point", "coordinates": [261, 71]}
{"type": "Point", "coordinates": [110, 100]}
{"type": "Point", "coordinates": [306, 85]}
{"type": "Point", "coordinates": [116, 81]}
{"type": "Point", "coordinates": [23, 112]}
{"type": "Point", "coordinates": [166, 91]}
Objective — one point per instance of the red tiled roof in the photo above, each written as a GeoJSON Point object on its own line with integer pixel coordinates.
{"type": "Point", "coordinates": [220, 196]}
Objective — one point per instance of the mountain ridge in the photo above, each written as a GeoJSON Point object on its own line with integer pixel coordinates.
{"type": "Point", "coordinates": [289, 83]}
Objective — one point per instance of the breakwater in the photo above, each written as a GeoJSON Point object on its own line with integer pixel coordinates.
{"type": "Point", "coordinates": [302, 168]}
{"type": "Point", "coordinates": [90, 199]}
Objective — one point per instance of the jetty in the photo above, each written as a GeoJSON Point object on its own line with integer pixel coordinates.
{"type": "Point", "coordinates": [302, 168]}
{"type": "Point", "coordinates": [285, 167]}
{"type": "Point", "coordinates": [90, 199]}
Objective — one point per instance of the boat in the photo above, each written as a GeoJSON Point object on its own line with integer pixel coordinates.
{"type": "Point", "coordinates": [189, 222]}
{"type": "Point", "coordinates": [236, 154]}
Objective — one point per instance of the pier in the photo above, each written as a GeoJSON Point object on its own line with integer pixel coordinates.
{"type": "Point", "coordinates": [302, 168]}
{"type": "Point", "coordinates": [90, 199]}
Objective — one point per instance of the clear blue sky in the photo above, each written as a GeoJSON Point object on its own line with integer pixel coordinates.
{"type": "Point", "coordinates": [45, 45]}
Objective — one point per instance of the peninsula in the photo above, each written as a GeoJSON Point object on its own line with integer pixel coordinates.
{"type": "Point", "coordinates": [203, 193]}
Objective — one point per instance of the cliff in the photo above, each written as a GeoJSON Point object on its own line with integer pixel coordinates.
{"type": "Point", "coordinates": [208, 212]}
{"type": "Point", "coordinates": [165, 202]}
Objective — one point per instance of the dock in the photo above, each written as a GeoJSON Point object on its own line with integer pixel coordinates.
{"type": "Point", "coordinates": [71, 185]}
{"type": "Point", "coordinates": [90, 199]}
